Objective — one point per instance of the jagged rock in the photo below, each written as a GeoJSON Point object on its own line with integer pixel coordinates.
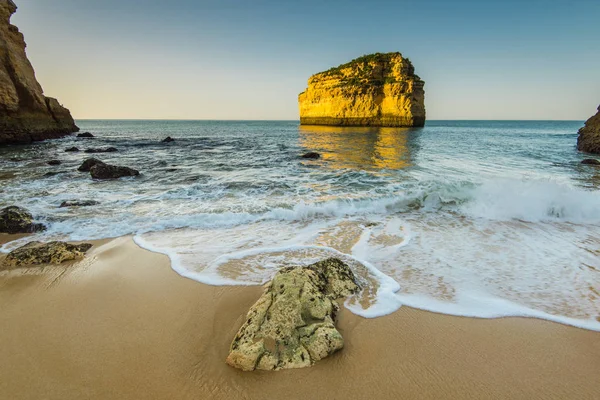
{"type": "Point", "coordinates": [591, 161]}
{"type": "Point", "coordinates": [18, 220]}
{"type": "Point", "coordinates": [26, 115]}
{"type": "Point", "coordinates": [589, 136]}
{"type": "Point", "coordinates": [311, 155]}
{"type": "Point", "coordinates": [85, 135]}
{"type": "Point", "coordinates": [88, 164]}
{"type": "Point", "coordinates": [37, 253]}
{"type": "Point", "coordinates": [168, 139]}
{"type": "Point", "coordinates": [71, 150]}
{"type": "Point", "coordinates": [54, 162]}
{"type": "Point", "coordinates": [373, 90]}
{"type": "Point", "coordinates": [104, 150]}
{"type": "Point", "coordinates": [78, 203]}
{"type": "Point", "coordinates": [105, 171]}
{"type": "Point", "coordinates": [292, 324]}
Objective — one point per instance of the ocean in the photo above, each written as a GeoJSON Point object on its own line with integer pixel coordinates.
{"type": "Point", "coordinates": [474, 218]}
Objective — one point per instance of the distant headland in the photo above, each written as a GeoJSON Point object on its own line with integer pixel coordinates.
{"type": "Point", "coordinates": [379, 89]}
{"type": "Point", "coordinates": [26, 115]}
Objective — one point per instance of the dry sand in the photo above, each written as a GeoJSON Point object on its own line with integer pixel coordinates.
{"type": "Point", "coordinates": [122, 325]}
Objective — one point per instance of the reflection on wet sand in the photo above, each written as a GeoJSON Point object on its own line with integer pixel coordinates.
{"type": "Point", "coordinates": [359, 147]}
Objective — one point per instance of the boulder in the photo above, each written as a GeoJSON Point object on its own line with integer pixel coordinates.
{"type": "Point", "coordinates": [18, 220]}
{"type": "Point", "coordinates": [311, 155]}
{"type": "Point", "coordinates": [292, 323]}
{"type": "Point", "coordinates": [589, 136]}
{"type": "Point", "coordinates": [54, 162]}
{"type": "Point", "coordinates": [37, 253]}
{"type": "Point", "coordinates": [78, 203]}
{"type": "Point", "coordinates": [26, 114]}
{"type": "Point", "coordinates": [71, 150]}
{"type": "Point", "coordinates": [88, 164]}
{"type": "Point", "coordinates": [54, 173]}
{"type": "Point", "coordinates": [105, 171]}
{"type": "Point", "coordinates": [102, 150]}
{"type": "Point", "coordinates": [168, 139]}
{"type": "Point", "coordinates": [591, 161]}
{"type": "Point", "coordinates": [85, 135]}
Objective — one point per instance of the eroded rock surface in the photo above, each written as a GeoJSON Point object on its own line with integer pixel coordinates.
{"type": "Point", "coordinates": [589, 135]}
{"type": "Point", "coordinates": [37, 253]}
{"type": "Point", "coordinates": [373, 90]}
{"type": "Point", "coordinates": [88, 163]}
{"type": "Point", "coordinates": [15, 219]}
{"type": "Point", "coordinates": [292, 323]}
{"type": "Point", "coordinates": [26, 115]}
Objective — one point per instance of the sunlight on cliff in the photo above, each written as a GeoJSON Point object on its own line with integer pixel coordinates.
{"type": "Point", "coordinates": [359, 148]}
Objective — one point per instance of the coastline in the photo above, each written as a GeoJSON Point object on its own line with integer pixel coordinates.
{"type": "Point", "coordinates": [122, 324]}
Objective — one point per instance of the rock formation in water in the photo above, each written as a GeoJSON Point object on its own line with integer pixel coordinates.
{"type": "Point", "coordinates": [292, 324]}
{"type": "Point", "coordinates": [589, 135]}
{"type": "Point", "coordinates": [374, 90]}
{"type": "Point", "coordinates": [26, 115]}
{"type": "Point", "coordinates": [18, 220]}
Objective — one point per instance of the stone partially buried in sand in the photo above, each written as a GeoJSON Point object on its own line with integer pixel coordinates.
{"type": "Point", "coordinates": [292, 323]}
{"type": "Point", "coordinates": [15, 219]}
{"type": "Point", "coordinates": [37, 253]}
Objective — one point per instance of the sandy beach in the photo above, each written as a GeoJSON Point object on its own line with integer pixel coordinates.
{"type": "Point", "coordinates": [122, 325]}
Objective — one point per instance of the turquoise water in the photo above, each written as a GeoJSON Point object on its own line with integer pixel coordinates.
{"type": "Point", "coordinates": [479, 218]}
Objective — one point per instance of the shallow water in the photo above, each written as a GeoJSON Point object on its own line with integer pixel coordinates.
{"type": "Point", "coordinates": [476, 218]}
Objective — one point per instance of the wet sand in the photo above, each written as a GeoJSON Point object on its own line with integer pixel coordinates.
{"type": "Point", "coordinates": [122, 325]}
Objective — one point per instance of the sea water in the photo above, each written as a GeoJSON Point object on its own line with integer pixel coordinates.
{"type": "Point", "coordinates": [474, 218]}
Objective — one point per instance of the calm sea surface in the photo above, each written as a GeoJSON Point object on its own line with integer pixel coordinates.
{"type": "Point", "coordinates": [475, 218]}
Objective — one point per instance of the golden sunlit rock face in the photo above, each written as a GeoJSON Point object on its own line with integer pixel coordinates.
{"type": "Point", "coordinates": [589, 135]}
{"type": "Point", "coordinates": [374, 90]}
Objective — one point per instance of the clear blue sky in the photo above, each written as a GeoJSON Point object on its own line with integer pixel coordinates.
{"type": "Point", "coordinates": [226, 59]}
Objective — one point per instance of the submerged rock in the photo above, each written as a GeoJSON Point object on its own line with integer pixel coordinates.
{"type": "Point", "coordinates": [54, 173]}
{"type": "Point", "coordinates": [54, 162]}
{"type": "Point", "coordinates": [26, 114]}
{"type": "Point", "coordinates": [105, 171]}
{"type": "Point", "coordinates": [102, 150]}
{"type": "Point", "coordinates": [37, 253]}
{"type": "Point", "coordinates": [591, 161]}
{"type": "Point", "coordinates": [71, 150]}
{"type": "Point", "coordinates": [292, 324]}
{"type": "Point", "coordinates": [78, 203]}
{"type": "Point", "coordinates": [18, 220]}
{"type": "Point", "coordinates": [168, 139]}
{"type": "Point", "coordinates": [311, 155]}
{"type": "Point", "coordinates": [373, 90]}
{"type": "Point", "coordinates": [87, 165]}
{"type": "Point", "coordinates": [85, 135]}
{"type": "Point", "coordinates": [589, 135]}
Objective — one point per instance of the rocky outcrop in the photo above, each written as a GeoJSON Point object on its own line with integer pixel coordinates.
{"type": "Point", "coordinates": [37, 253]}
{"type": "Point", "coordinates": [18, 220]}
{"type": "Point", "coordinates": [374, 90]}
{"type": "Point", "coordinates": [26, 115]}
{"type": "Point", "coordinates": [292, 324]}
{"type": "Point", "coordinates": [105, 171]}
{"type": "Point", "coordinates": [88, 163]}
{"type": "Point", "coordinates": [78, 203]}
{"type": "Point", "coordinates": [101, 150]}
{"type": "Point", "coordinates": [589, 135]}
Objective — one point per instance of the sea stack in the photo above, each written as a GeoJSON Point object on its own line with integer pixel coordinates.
{"type": "Point", "coordinates": [373, 90]}
{"type": "Point", "coordinates": [26, 115]}
{"type": "Point", "coordinates": [589, 135]}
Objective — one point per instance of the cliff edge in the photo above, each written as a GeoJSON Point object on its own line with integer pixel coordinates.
{"type": "Point", "coordinates": [373, 90]}
{"type": "Point", "coordinates": [26, 115]}
{"type": "Point", "coordinates": [589, 135]}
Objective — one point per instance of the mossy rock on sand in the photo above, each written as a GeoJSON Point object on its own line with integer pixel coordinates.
{"type": "Point", "coordinates": [292, 323]}
{"type": "Point", "coordinates": [37, 253]}
{"type": "Point", "coordinates": [18, 220]}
